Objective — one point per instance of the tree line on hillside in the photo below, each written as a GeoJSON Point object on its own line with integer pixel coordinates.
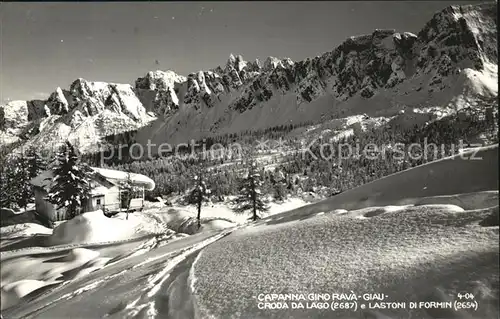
{"type": "Point", "coordinates": [245, 137]}
{"type": "Point", "coordinates": [70, 183]}
{"type": "Point", "coordinates": [328, 168]}
{"type": "Point", "coordinates": [322, 167]}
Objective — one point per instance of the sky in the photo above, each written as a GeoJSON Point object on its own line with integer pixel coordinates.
{"type": "Point", "coordinates": [48, 45]}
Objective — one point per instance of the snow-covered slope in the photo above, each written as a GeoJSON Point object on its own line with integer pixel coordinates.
{"type": "Point", "coordinates": [415, 236]}
{"type": "Point", "coordinates": [451, 60]}
{"type": "Point", "coordinates": [425, 234]}
{"type": "Point", "coordinates": [475, 170]}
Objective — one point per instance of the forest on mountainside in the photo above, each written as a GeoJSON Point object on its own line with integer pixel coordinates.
{"type": "Point", "coordinates": [324, 166]}
{"type": "Point", "coordinates": [321, 167]}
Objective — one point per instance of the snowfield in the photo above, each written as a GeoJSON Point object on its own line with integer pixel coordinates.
{"type": "Point", "coordinates": [354, 241]}
{"type": "Point", "coordinates": [223, 211]}
{"type": "Point", "coordinates": [427, 234]}
{"type": "Point", "coordinates": [23, 230]}
{"type": "Point", "coordinates": [94, 227]}
{"type": "Point", "coordinates": [78, 243]}
{"type": "Point", "coordinates": [420, 235]}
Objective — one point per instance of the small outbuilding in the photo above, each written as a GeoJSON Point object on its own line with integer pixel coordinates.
{"type": "Point", "coordinates": [107, 193]}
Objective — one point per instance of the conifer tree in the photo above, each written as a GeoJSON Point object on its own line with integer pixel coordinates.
{"type": "Point", "coordinates": [7, 185]}
{"type": "Point", "coordinates": [70, 186]}
{"type": "Point", "coordinates": [36, 162]}
{"type": "Point", "coordinates": [250, 197]}
{"type": "Point", "coordinates": [23, 168]}
{"type": "Point", "coordinates": [16, 189]}
{"type": "Point", "coordinates": [200, 192]}
{"type": "Point", "coordinates": [128, 191]}
{"type": "Point", "coordinates": [279, 185]}
{"type": "Point", "coordinates": [21, 184]}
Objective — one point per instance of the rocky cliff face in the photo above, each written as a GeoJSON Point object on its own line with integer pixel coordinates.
{"type": "Point", "coordinates": [455, 39]}
{"type": "Point", "coordinates": [84, 114]}
{"type": "Point", "coordinates": [455, 52]}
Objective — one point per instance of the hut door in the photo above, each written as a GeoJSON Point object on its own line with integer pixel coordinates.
{"type": "Point", "coordinates": [99, 203]}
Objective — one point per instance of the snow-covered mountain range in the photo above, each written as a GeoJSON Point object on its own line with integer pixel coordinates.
{"type": "Point", "coordinates": [449, 62]}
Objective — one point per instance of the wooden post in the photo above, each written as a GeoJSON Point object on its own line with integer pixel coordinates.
{"type": "Point", "coordinates": [142, 197]}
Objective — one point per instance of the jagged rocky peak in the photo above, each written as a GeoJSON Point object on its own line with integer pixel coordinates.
{"type": "Point", "coordinates": [91, 98]}
{"type": "Point", "coordinates": [238, 71]}
{"type": "Point", "coordinates": [165, 84]}
{"type": "Point", "coordinates": [405, 36]}
{"type": "Point", "coordinates": [159, 80]}
{"type": "Point", "coordinates": [231, 60]}
{"type": "Point", "coordinates": [235, 62]}
{"type": "Point", "coordinates": [13, 115]}
{"type": "Point", "coordinates": [16, 114]}
{"type": "Point", "coordinates": [217, 70]}
{"type": "Point", "coordinates": [466, 34]}
{"type": "Point", "coordinates": [78, 86]}
{"type": "Point", "coordinates": [257, 64]}
{"type": "Point", "coordinates": [272, 63]}
{"type": "Point", "coordinates": [58, 102]}
{"type": "Point", "coordinates": [362, 64]}
{"type": "Point", "coordinates": [379, 39]}
{"type": "Point", "coordinates": [201, 84]}
{"type": "Point", "coordinates": [404, 43]}
{"type": "Point", "coordinates": [165, 103]}
{"type": "Point", "coordinates": [382, 33]}
{"type": "Point", "coordinates": [82, 88]}
{"type": "Point", "coordinates": [458, 40]}
{"type": "Point", "coordinates": [287, 62]}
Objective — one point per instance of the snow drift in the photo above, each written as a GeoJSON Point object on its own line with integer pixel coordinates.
{"type": "Point", "coordinates": [472, 171]}
{"type": "Point", "coordinates": [419, 247]}
{"type": "Point", "coordinates": [410, 235]}
{"type": "Point", "coordinates": [94, 227]}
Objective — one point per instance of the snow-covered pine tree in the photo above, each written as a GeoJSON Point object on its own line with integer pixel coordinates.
{"type": "Point", "coordinates": [3, 187]}
{"type": "Point", "coordinates": [16, 190]}
{"type": "Point", "coordinates": [71, 183]}
{"type": "Point", "coordinates": [7, 185]}
{"type": "Point", "coordinates": [199, 193]}
{"type": "Point", "coordinates": [128, 190]}
{"type": "Point", "coordinates": [35, 162]}
{"type": "Point", "coordinates": [22, 169]}
{"type": "Point", "coordinates": [21, 184]}
{"type": "Point", "coordinates": [279, 185]}
{"type": "Point", "coordinates": [250, 197]}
